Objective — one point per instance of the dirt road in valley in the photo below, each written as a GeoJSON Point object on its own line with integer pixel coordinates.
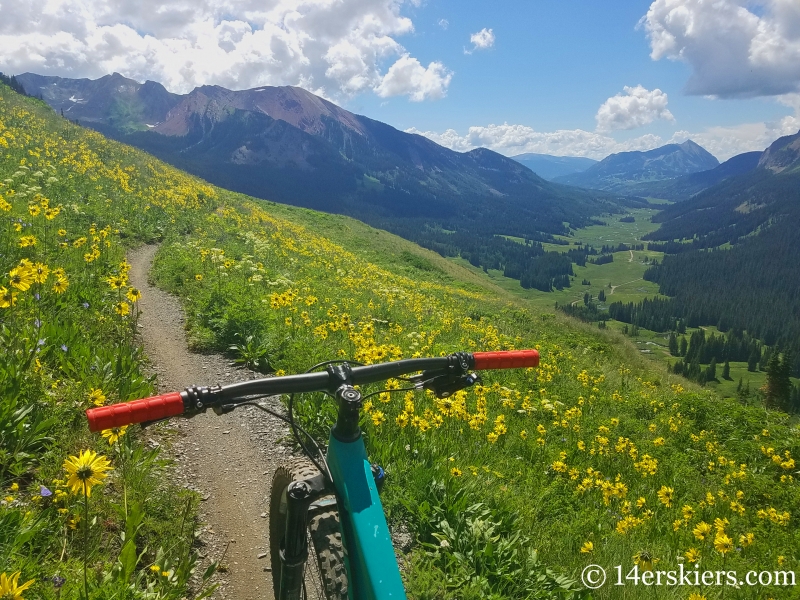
{"type": "Point", "coordinates": [229, 460]}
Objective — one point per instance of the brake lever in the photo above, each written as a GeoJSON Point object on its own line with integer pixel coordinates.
{"type": "Point", "coordinates": [444, 386]}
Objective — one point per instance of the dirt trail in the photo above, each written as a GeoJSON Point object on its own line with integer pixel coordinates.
{"type": "Point", "coordinates": [229, 460]}
{"type": "Point", "coordinates": [614, 287]}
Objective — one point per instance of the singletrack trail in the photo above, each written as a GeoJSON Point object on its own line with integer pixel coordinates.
{"type": "Point", "coordinates": [228, 459]}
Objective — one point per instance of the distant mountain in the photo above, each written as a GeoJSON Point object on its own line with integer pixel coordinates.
{"type": "Point", "coordinates": [620, 172]}
{"type": "Point", "coordinates": [549, 167]}
{"type": "Point", "coordinates": [683, 188]}
{"type": "Point", "coordinates": [288, 145]}
{"type": "Point", "coordinates": [111, 100]}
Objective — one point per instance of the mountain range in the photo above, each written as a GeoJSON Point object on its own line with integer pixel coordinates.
{"type": "Point", "coordinates": [549, 167]}
{"type": "Point", "coordinates": [288, 145]}
{"type": "Point", "coordinates": [621, 172]}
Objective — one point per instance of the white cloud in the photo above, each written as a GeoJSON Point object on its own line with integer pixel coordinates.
{"type": "Point", "coordinates": [444, 23]}
{"type": "Point", "coordinates": [736, 48]}
{"type": "Point", "coordinates": [519, 139]}
{"type": "Point", "coordinates": [725, 142]}
{"type": "Point", "coordinates": [721, 141]}
{"type": "Point", "coordinates": [408, 77]}
{"type": "Point", "coordinates": [335, 49]}
{"type": "Point", "coordinates": [635, 108]}
{"type": "Point", "coordinates": [481, 40]}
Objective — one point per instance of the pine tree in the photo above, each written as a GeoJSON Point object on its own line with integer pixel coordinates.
{"type": "Point", "coordinates": [711, 373]}
{"type": "Point", "coordinates": [726, 371]}
{"type": "Point", "coordinates": [601, 296]}
{"type": "Point", "coordinates": [684, 346]}
{"type": "Point", "coordinates": [752, 360]}
{"type": "Point", "coordinates": [673, 344]}
{"type": "Point", "coordinates": [778, 386]}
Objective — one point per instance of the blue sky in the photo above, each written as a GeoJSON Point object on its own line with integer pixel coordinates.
{"type": "Point", "coordinates": [564, 77]}
{"type": "Point", "coordinates": [551, 67]}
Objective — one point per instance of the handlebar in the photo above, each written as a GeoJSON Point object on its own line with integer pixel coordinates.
{"type": "Point", "coordinates": [197, 399]}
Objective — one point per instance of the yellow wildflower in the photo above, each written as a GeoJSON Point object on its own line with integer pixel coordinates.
{"type": "Point", "coordinates": [10, 589]}
{"type": "Point", "coordinates": [665, 495]}
{"type": "Point", "coordinates": [692, 555]}
{"type": "Point", "coordinates": [723, 544]}
{"type": "Point", "coordinates": [114, 434]}
{"type": "Point", "coordinates": [21, 278]}
{"type": "Point", "coordinates": [7, 298]}
{"type": "Point", "coordinates": [85, 471]}
{"type": "Point", "coordinates": [97, 397]}
{"type": "Point", "coordinates": [701, 530]}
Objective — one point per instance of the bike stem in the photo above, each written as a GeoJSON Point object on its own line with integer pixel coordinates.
{"type": "Point", "coordinates": [349, 402]}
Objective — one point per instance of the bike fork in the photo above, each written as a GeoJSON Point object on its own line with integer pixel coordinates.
{"type": "Point", "coordinates": [294, 549]}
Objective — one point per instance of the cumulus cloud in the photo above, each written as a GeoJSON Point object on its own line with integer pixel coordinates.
{"type": "Point", "coordinates": [481, 40]}
{"type": "Point", "coordinates": [721, 141]}
{"type": "Point", "coordinates": [519, 139]}
{"type": "Point", "coordinates": [444, 23]}
{"type": "Point", "coordinates": [727, 141]}
{"type": "Point", "coordinates": [335, 49]}
{"type": "Point", "coordinates": [408, 77]}
{"type": "Point", "coordinates": [736, 48]}
{"type": "Point", "coordinates": [634, 108]}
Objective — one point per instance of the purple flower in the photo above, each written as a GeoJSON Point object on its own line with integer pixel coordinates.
{"type": "Point", "coordinates": [85, 305]}
{"type": "Point", "coordinates": [37, 323]}
{"type": "Point", "coordinates": [44, 492]}
{"type": "Point", "coordinates": [58, 581]}
{"type": "Point", "coordinates": [37, 297]}
{"type": "Point", "coordinates": [40, 342]}
{"type": "Point", "coordinates": [63, 347]}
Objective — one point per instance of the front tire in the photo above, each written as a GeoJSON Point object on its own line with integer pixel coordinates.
{"type": "Point", "coordinates": [325, 574]}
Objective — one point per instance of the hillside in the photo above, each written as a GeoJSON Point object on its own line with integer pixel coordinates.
{"type": "Point", "coordinates": [287, 145]}
{"type": "Point", "coordinates": [596, 457]}
{"type": "Point", "coordinates": [549, 167]}
{"type": "Point", "coordinates": [734, 253]}
{"type": "Point", "coordinates": [619, 172]}
{"type": "Point", "coordinates": [686, 186]}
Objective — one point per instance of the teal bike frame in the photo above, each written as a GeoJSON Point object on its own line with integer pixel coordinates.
{"type": "Point", "coordinates": [372, 572]}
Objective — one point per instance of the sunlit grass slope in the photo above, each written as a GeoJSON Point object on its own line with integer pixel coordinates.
{"type": "Point", "coordinates": [592, 458]}
{"type": "Point", "coordinates": [70, 203]}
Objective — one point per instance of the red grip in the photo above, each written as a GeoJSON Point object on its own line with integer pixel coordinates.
{"type": "Point", "coordinates": [136, 411]}
{"type": "Point", "coordinates": [512, 359]}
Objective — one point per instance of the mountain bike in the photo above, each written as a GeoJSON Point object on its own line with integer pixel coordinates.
{"type": "Point", "coordinates": [329, 501]}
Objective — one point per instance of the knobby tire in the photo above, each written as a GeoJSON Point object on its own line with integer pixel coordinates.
{"type": "Point", "coordinates": [325, 573]}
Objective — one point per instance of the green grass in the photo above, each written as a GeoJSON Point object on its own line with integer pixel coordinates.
{"type": "Point", "coordinates": [516, 476]}
{"type": "Point", "coordinates": [71, 203]}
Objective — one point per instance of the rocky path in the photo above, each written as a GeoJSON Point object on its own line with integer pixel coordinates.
{"type": "Point", "coordinates": [229, 459]}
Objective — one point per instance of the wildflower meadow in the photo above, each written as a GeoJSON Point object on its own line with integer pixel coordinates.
{"type": "Point", "coordinates": [508, 489]}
